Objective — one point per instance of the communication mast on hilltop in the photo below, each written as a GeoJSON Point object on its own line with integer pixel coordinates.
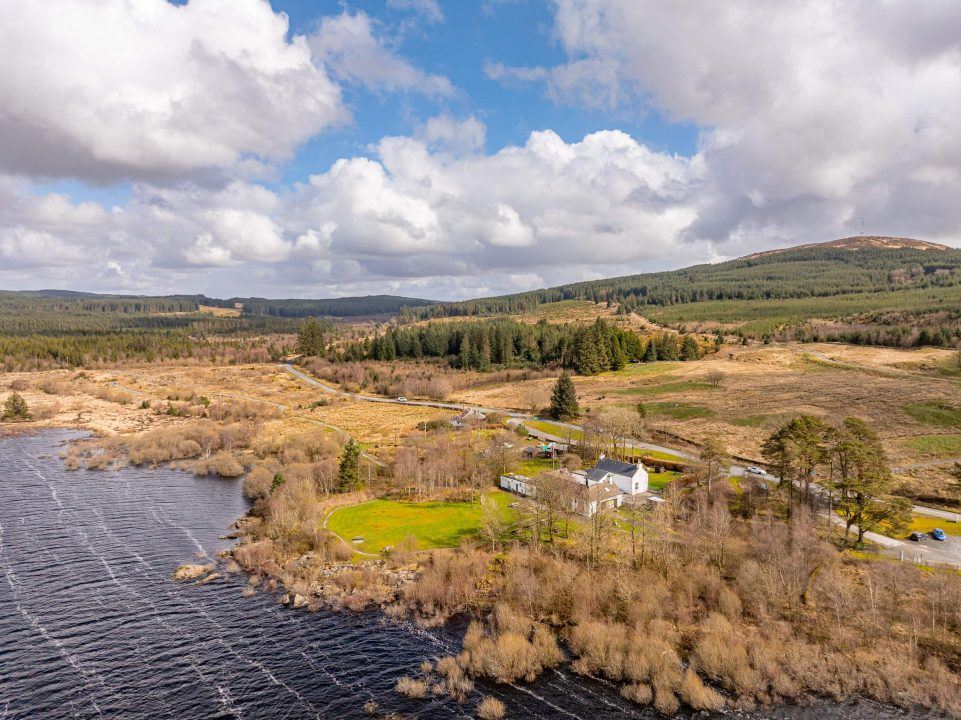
{"type": "Point", "coordinates": [862, 227]}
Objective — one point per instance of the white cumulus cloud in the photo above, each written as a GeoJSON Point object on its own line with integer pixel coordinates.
{"type": "Point", "coordinates": [111, 89]}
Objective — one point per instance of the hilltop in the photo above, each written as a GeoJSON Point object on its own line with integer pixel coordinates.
{"type": "Point", "coordinates": [860, 242]}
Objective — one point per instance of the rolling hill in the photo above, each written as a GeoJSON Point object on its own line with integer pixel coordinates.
{"type": "Point", "coordinates": [841, 267]}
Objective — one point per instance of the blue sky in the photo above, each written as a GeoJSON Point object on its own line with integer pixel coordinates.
{"type": "Point", "coordinates": [459, 149]}
{"type": "Point", "coordinates": [516, 33]}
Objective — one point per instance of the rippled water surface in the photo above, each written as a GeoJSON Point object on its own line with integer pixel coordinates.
{"type": "Point", "coordinates": [92, 626]}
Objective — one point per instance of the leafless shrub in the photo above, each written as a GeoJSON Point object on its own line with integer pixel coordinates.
{"type": "Point", "coordinates": [411, 687]}
{"type": "Point", "coordinates": [19, 384]}
{"type": "Point", "coordinates": [223, 464]}
{"type": "Point", "coordinates": [490, 708]}
{"type": "Point", "coordinates": [54, 385]}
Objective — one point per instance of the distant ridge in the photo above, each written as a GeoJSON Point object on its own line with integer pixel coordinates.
{"type": "Point", "coordinates": [861, 264]}
{"type": "Point", "coordinates": [859, 242]}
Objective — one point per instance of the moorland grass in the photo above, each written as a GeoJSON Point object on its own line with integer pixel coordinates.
{"type": "Point", "coordinates": [943, 445]}
{"type": "Point", "coordinates": [934, 412]}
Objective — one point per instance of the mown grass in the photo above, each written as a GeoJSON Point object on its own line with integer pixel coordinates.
{"type": "Point", "coordinates": [942, 445]}
{"type": "Point", "coordinates": [934, 412]}
{"type": "Point", "coordinates": [384, 523]}
{"type": "Point", "coordinates": [535, 466]}
{"type": "Point", "coordinates": [677, 410]}
{"type": "Point", "coordinates": [658, 481]}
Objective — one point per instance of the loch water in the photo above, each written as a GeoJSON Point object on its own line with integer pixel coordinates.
{"type": "Point", "coordinates": [92, 626]}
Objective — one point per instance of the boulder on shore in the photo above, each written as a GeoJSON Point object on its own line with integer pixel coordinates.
{"type": "Point", "coordinates": [188, 572]}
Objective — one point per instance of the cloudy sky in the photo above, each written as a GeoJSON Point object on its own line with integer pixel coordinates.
{"type": "Point", "coordinates": [305, 148]}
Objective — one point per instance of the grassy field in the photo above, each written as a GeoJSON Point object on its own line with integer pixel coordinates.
{"type": "Point", "coordinates": [383, 523]}
{"type": "Point", "coordinates": [677, 410]}
{"type": "Point", "coordinates": [667, 388]}
{"type": "Point", "coordinates": [940, 445]}
{"type": "Point", "coordinates": [935, 413]}
{"type": "Point", "coordinates": [553, 428]}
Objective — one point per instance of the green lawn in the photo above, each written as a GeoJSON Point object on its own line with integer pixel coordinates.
{"type": "Point", "coordinates": [941, 445]}
{"type": "Point", "coordinates": [933, 412]}
{"type": "Point", "coordinates": [536, 466]}
{"type": "Point", "coordinates": [383, 523]}
{"type": "Point", "coordinates": [657, 481]}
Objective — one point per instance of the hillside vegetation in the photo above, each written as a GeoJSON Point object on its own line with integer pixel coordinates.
{"type": "Point", "coordinates": [883, 291]}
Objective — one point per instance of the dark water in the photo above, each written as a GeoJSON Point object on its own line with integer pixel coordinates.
{"type": "Point", "coordinates": [92, 626]}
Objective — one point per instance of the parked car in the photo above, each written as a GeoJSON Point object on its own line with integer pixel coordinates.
{"type": "Point", "coordinates": [917, 536]}
{"type": "Point", "coordinates": [401, 398]}
{"type": "Point", "coordinates": [755, 470]}
{"type": "Point", "coordinates": [938, 534]}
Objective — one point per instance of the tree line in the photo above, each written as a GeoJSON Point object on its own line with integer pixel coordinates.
{"type": "Point", "coordinates": [485, 344]}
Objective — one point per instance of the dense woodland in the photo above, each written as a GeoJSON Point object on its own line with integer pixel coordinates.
{"type": "Point", "coordinates": [52, 332]}
{"type": "Point", "coordinates": [486, 344]}
{"type": "Point", "coordinates": [795, 273]}
{"type": "Point", "coordinates": [337, 307]}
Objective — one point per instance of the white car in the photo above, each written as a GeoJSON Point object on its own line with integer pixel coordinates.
{"type": "Point", "coordinates": [401, 399]}
{"type": "Point", "coordinates": [755, 470]}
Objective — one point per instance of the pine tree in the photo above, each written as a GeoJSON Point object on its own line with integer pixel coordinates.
{"type": "Point", "coordinates": [587, 359]}
{"type": "Point", "coordinates": [349, 478]}
{"type": "Point", "coordinates": [484, 356]}
{"type": "Point", "coordinates": [564, 399]}
{"type": "Point", "coordinates": [618, 356]}
{"type": "Point", "coordinates": [466, 353]}
{"type": "Point", "coordinates": [650, 352]}
{"type": "Point", "coordinates": [310, 340]}
{"type": "Point", "coordinates": [690, 349]}
{"type": "Point", "coordinates": [15, 408]}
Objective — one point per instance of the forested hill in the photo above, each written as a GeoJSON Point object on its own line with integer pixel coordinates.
{"type": "Point", "coordinates": [69, 301]}
{"type": "Point", "coordinates": [849, 265]}
{"type": "Point", "coordinates": [337, 307]}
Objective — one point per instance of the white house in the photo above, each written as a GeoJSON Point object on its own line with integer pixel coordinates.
{"type": "Point", "coordinates": [586, 496]}
{"type": "Point", "coordinates": [520, 484]}
{"type": "Point", "coordinates": [631, 479]}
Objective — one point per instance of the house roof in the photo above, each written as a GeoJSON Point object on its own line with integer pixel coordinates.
{"type": "Point", "coordinates": [470, 414]}
{"type": "Point", "coordinates": [598, 492]}
{"type": "Point", "coordinates": [606, 465]}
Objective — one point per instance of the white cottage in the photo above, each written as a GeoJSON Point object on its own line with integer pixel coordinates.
{"type": "Point", "coordinates": [631, 479]}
